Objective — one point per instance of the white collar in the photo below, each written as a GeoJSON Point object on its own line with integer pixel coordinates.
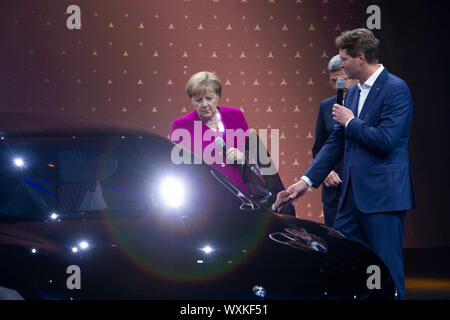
{"type": "Point", "coordinates": [369, 82]}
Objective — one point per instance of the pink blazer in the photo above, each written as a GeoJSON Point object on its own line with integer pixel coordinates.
{"type": "Point", "coordinates": [231, 118]}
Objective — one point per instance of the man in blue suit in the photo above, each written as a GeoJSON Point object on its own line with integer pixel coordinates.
{"type": "Point", "coordinates": [331, 188]}
{"type": "Point", "coordinates": [372, 135]}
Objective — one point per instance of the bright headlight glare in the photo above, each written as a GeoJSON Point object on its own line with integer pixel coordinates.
{"type": "Point", "coordinates": [172, 191]}
{"type": "Point", "coordinates": [18, 162]}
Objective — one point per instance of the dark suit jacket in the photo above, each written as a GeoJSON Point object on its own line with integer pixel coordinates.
{"type": "Point", "coordinates": [375, 148]}
{"type": "Point", "coordinates": [324, 127]}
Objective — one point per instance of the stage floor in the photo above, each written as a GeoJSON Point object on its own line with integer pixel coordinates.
{"type": "Point", "coordinates": [427, 273]}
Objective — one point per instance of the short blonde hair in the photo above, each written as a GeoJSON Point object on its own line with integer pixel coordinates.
{"type": "Point", "coordinates": [201, 82]}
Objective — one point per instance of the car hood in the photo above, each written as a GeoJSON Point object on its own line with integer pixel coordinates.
{"type": "Point", "coordinates": [225, 255]}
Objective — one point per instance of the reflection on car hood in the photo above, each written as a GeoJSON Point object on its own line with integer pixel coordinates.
{"type": "Point", "coordinates": [181, 257]}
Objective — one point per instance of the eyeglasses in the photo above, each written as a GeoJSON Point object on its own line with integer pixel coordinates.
{"type": "Point", "coordinates": [334, 81]}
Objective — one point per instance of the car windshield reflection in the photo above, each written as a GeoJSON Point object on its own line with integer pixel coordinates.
{"type": "Point", "coordinates": [70, 178]}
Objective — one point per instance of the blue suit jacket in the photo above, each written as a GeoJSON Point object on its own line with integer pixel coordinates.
{"type": "Point", "coordinates": [375, 148]}
{"type": "Point", "coordinates": [324, 127]}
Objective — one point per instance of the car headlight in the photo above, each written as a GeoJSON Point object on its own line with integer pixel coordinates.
{"type": "Point", "coordinates": [18, 162]}
{"type": "Point", "coordinates": [173, 192]}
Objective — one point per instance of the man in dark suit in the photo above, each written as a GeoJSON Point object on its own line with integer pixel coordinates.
{"type": "Point", "coordinates": [331, 188]}
{"type": "Point", "coordinates": [373, 135]}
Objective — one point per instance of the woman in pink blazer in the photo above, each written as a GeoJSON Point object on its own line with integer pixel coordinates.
{"type": "Point", "coordinates": [208, 128]}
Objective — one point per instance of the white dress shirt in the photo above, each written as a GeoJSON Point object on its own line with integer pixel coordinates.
{"type": "Point", "coordinates": [365, 89]}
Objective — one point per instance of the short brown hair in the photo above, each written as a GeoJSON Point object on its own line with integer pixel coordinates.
{"type": "Point", "coordinates": [359, 41]}
{"type": "Point", "coordinates": [202, 81]}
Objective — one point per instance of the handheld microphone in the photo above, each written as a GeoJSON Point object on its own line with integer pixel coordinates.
{"type": "Point", "coordinates": [340, 90]}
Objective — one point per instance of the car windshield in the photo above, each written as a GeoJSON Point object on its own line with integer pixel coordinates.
{"type": "Point", "coordinates": [123, 176]}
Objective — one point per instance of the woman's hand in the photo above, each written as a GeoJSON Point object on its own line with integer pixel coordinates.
{"type": "Point", "coordinates": [233, 155]}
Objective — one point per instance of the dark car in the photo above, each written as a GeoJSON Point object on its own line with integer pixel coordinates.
{"type": "Point", "coordinates": [95, 210]}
